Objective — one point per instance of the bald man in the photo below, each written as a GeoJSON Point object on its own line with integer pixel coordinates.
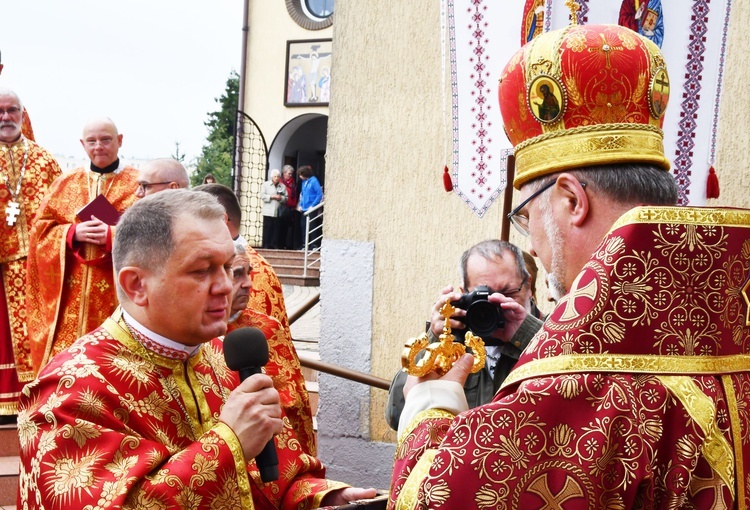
{"type": "Point", "coordinates": [160, 174]}
{"type": "Point", "coordinates": [70, 280]}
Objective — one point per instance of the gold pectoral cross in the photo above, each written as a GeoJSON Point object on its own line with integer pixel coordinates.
{"type": "Point", "coordinates": [11, 212]}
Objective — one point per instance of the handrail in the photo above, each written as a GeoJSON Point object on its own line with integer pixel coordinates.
{"type": "Point", "coordinates": [346, 373]}
{"type": "Point", "coordinates": [328, 368]}
{"type": "Point", "coordinates": [317, 236]}
{"type": "Point", "coordinates": [304, 307]}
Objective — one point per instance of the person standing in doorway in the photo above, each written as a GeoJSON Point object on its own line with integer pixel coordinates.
{"type": "Point", "coordinates": [273, 195]}
{"type": "Point", "coordinates": [289, 219]}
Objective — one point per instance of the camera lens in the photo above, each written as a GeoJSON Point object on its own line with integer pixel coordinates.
{"type": "Point", "coordinates": [483, 317]}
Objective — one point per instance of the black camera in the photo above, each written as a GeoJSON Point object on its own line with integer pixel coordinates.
{"type": "Point", "coordinates": [482, 317]}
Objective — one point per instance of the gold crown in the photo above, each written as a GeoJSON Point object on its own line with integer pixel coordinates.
{"type": "Point", "coordinates": [584, 95]}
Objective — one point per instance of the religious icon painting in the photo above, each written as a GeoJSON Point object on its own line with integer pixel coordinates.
{"type": "Point", "coordinates": [546, 99]}
{"type": "Point", "coordinates": [659, 92]}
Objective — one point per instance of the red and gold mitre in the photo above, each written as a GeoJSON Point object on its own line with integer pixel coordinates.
{"type": "Point", "coordinates": [584, 95]}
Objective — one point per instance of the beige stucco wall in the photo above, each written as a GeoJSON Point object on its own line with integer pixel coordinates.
{"type": "Point", "coordinates": [270, 29]}
{"type": "Point", "coordinates": [384, 171]}
{"type": "Point", "coordinates": [733, 157]}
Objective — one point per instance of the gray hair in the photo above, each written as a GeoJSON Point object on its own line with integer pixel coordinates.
{"type": "Point", "coordinates": [273, 173]}
{"type": "Point", "coordinates": [627, 183]}
{"type": "Point", "coordinates": [8, 92]}
{"type": "Point", "coordinates": [492, 249]}
{"type": "Point", "coordinates": [287, 168]}
{"type": "Point", "coordinates": [145, 233]}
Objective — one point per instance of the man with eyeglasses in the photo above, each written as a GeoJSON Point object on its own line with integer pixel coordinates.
{"type": "Point", "coordinates": [160, 174]}
{"type": "Point", "coordinates": [500, 266]}
{"type": "Point", "coordinates": [71, 286]}
{"type": "Point", "coordinates": [26, 172]}
{"type": "Point", "coordinates": [635, 392]}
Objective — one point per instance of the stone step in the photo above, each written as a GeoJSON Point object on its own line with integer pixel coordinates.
{"type": "Point", "coordinates": [8, 481]}
{"type": "Point", "coordinates": [292, 255]}
{"type": "Point", "coordinates": [289, 266]}
{"type": "Point", "coordinates": [9, 444]}
{"type": "Point", "coordinates": [288, 270]}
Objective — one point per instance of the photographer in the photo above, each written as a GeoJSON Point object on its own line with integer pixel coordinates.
{"type": "Point", "coordinates": [500, 266]}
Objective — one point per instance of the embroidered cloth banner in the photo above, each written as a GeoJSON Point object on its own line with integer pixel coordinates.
{"type": "Point", "coordinates": [484, 34]}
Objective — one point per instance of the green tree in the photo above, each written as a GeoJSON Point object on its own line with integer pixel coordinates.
{"type": "Point", "coordinates": [216, 155]}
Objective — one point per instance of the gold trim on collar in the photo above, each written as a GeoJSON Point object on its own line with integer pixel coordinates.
{"type": "Point", "coordinates": [685, 216]}
{"type": "Point", "coordinates": [716, 449]}
{"type": "Point", "coordinates": [630, 363]}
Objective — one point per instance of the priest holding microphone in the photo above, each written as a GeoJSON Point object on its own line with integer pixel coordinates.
{"type": "Point", "coordinates": [144, 411]}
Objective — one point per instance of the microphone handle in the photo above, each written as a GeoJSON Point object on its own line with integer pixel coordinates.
{"type": "Point", "coordinates": [267, 460]}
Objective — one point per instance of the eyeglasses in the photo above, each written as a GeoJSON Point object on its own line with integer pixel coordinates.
{"type": "Point", "coordinates": [520, 221]}
{"type": "Point", "coordinates": [146, 185]}
{"type": "Point", "coordinates": [13, 110]}
{"type": "Point", "coordinates": [513, 292]}
{"type": "Point", "coordinates": [104, 142]}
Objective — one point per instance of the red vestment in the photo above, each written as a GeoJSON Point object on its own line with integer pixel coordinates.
{"type": "Point", "coordinates": [284, 368]}
{"type": "Point", "coordinates": [635, 394]}
{"type": "Point", "coordinates": [39, 171]}
{"type": "Point", "coordinates": [111, 424]}
{"type": "Point", "coordinates": [71, 288]}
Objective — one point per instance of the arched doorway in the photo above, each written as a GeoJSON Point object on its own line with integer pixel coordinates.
{"type": "Point", "coordinates": [301, 141]}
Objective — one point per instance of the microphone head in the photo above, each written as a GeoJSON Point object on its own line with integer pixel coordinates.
{"type": "Point", "coordinates": [245, 348]}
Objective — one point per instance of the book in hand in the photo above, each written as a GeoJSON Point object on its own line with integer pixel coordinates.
{"type": "Point", "coordinates": [102, 209]}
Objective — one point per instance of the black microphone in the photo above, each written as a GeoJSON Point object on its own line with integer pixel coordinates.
{"type": "Point", "coordinates": [246, 351]}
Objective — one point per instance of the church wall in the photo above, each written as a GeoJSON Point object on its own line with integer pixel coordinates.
{"type": "Point", "coordinates": [733, 156]}
{"type": "Point", "coordinates": [384, 184]}
{"type": "Point", "coordinates": [270, 29]}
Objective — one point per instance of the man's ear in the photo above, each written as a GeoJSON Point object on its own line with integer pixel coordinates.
{"type": "Point", "coordinates": [133, 282]}
{"type": "Point", "coordinates": [174, 185]}
{"type": "Point", "coordinates": [575, 200]}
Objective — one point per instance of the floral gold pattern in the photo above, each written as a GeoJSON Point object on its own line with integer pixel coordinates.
{"type": "Point", "coordinates": [635, 393]}
{"type": "Point", "coordinates": [604, 78]}
{"type": "Point", "coordinates": [112, 435]}
{"type": "Point", "coordinates": [38, 174]}
{"type": "Point", "coordinates": [69, 296]}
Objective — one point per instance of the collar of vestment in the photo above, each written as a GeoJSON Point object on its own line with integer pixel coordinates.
{"type": "Point", "coordinates": [112, 167]}
{"type": "Point", "coordinates": [157, 343]}
{"type": "Point", "coordinates": [666, 292]}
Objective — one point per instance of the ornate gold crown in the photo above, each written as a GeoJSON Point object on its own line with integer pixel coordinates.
{"type": "Point", "coordinates": [584, 95]}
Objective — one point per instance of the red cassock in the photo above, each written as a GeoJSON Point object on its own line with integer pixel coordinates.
{"type": "Point", "coordinates": [137, 429]}
{"type": "Point", "coordinates": [635, 394]}
{"type": "Point", "coordinates": [266, 310]}
{"type": "Point", "coordinates": [26, 162]}
{"type": "Point", "coordinates": [71, 288]}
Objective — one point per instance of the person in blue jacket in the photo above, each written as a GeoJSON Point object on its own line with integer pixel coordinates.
{"type": "Point", "coordinates": [311, 194]}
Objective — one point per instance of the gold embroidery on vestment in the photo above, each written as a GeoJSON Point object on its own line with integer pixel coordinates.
{"type": "Point", "coordinates": [716, 449]}
{"type": "Point", "coordinates": [630, 363]}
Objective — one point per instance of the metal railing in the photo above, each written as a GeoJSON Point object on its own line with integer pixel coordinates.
{"type": "Point", "coordinates": [313, 236]}
{"type": "Point", "coordinates": [329, 368]}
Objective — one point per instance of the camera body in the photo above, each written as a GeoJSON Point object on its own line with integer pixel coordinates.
{"type": "Point", "coordinates": [482, 317]}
